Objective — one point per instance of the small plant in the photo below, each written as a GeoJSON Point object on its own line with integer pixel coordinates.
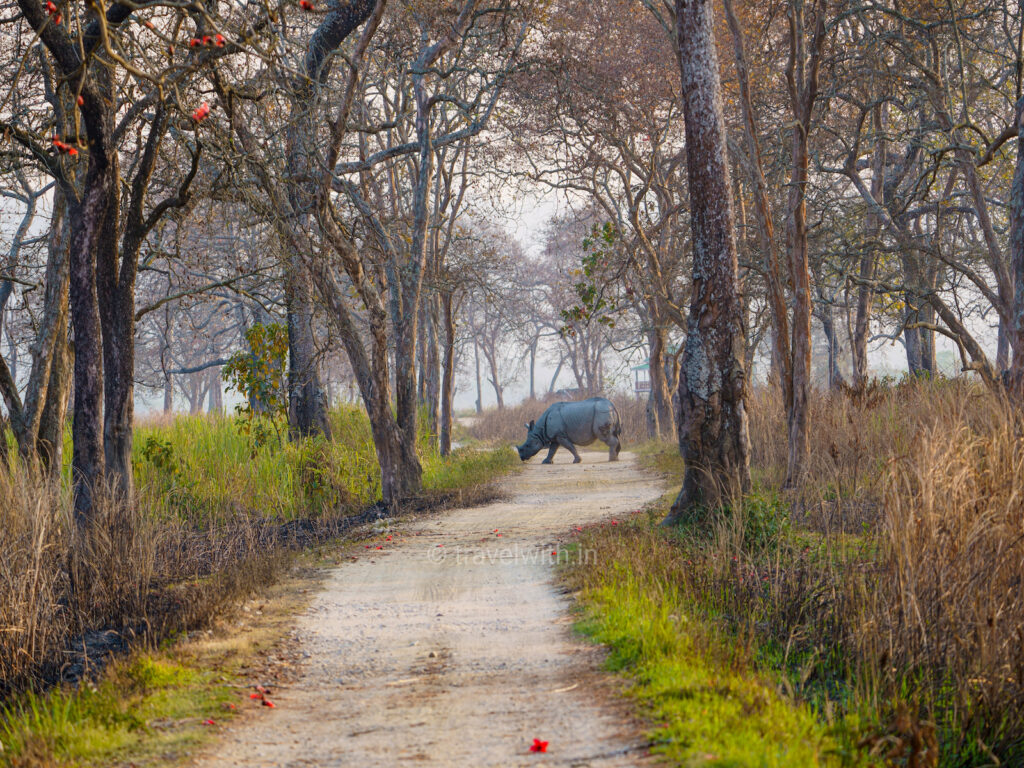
{"type": "Point", "coordinates": [319, 478]}
{"type": "Point", "coordinates": [160, 453]}
{"type": "Point", "coordinates": [765, 521]}
{"type": "Point", "coordinates": [259, 376]}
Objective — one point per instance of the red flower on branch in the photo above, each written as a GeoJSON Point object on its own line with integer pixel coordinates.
{"type": "Point", "coordinates": [218, 40]}
{"type": "Point", "coordinates": [539, 746]}
{"type": "Point", "coordinates": [306, 5]}
{"type": "Point", "coordinates": [201, 114]}
{"type": "Point", "coordinates": [195, 42]}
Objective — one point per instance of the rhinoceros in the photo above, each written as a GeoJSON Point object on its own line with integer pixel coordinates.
{"type": "Point", "coordinates": [571, 424]}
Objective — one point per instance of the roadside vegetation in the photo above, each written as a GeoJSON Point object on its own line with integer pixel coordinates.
{"type": "Point", "coordinates": [875, 616]}
{"type": "Point", "coordinates": [220, 516]}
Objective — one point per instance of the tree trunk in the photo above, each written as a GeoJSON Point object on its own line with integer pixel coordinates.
{"type": "Point", "coordinates": [827, 316]}
{"type": "Point", "coordinates": [307, 404]}
{"type": "Point", "coordinates": [533, 369]}
{"type": "Point", "coordinates": [448, 380]}
{"type": "Point", "coordinates": [431, 368]}
{"type": "Point", "coordinates": [554, 377]}
{"type": "Point", "coordinates": [1015, 375]}
{"type": "Point", "coordinates": [87, 216]}
{"type": "Point", "coordinates": [781, 360]}
{"type": "Point", "coordinates": [869, 258]}
{"type": "Point", "coordinates": [216, 397]}
{"type": "Point", "coordinates": [491, 355]}
{"type": "Point", "coordinates": [479, 388]}
{"type": "Point", "coordinates": [168, 393]}
{"type": "Point", "coordinates": [659, 405]}
{"type": "Point", "coordinates": [50, 441]}
{"type": "Point", "coordinates": [712, 389]}
{"type": "Point", "coordinates": [802, 79]}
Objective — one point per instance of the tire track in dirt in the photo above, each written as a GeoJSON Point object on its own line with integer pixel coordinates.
{"type": "Point", "coordinates": [453, 647]}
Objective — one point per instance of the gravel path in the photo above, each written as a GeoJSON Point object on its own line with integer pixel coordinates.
{"type": "Point", "coordinates": [452, 646]}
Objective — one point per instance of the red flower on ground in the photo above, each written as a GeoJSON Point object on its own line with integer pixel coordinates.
{"type": "Point", "coordinates": [539, 746]}
{"type": "Point", "coordinates": [200, 114]}
{"type": "Point", "coordinates": [209, 722]}
{"type": "Point", "coordinates": [268, 703]}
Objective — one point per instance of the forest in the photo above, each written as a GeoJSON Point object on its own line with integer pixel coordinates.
{"type": "Point", "coordinates": [274, 271]}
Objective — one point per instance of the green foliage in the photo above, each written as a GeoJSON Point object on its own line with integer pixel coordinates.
{"type": "Point", "coordinates": [596, 303]}
{"type": "Point", "coordinates": [259, 376]}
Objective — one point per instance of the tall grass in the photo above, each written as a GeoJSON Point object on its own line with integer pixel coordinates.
{"type": "Point", "coordinates": [889, 590]}
{"type": "Point", "coordinates": [217, 515]}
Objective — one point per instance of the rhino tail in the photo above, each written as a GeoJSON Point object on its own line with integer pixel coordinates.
{"type": "Point", "coordinates": [617, 427]}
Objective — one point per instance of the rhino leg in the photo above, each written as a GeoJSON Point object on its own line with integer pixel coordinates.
{"type": "Point", "coordinates": [551, 453]}
{"type": "Point", "coordinates": [567, 444]}
{"type": "Point", "coordinates": [614, 446]}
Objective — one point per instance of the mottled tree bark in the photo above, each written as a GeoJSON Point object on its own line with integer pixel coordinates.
{"type": "Point", "coordinates": [87, 215]}
{"type": "Point", "coordinates": [712, 389]}
{"type": "Point", "coordinates": [1015, 374]}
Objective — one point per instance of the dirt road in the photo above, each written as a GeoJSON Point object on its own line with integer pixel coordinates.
{"type": "Point", "coordinates": [452, 646]}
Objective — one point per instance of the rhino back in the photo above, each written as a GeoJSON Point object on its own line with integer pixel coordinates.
{"type": "Point", "coordinates": [580, 421]}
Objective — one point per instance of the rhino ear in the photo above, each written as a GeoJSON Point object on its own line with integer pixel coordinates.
{"type": "Point", "coordinates": [530, 425]}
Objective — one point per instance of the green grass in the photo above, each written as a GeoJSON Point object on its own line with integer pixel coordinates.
{"type": "Point", "coordinates": [711, 687]}
{"type": "Point", "coordinates": [208, 467]}
{"type": "Point", "coordinates": [122, 714]}
{"type": "Point", "coordinates": [709, 712]}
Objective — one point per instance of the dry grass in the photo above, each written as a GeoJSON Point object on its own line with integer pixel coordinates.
{"type": "Point", "coordinates": [889, 592]}
{"type": "Point", "coordinates": [70, 597]}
